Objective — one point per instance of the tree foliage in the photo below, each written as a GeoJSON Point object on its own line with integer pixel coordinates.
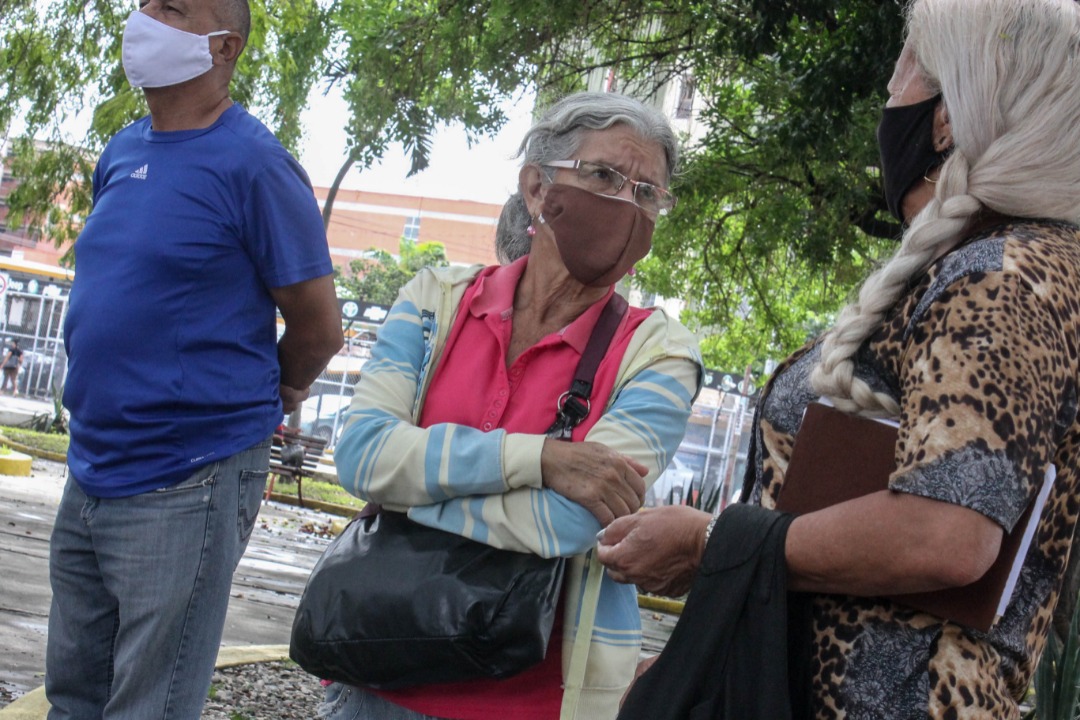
{"type": "Point", "coordinates": [780, 213]}
{"type": "Point", "coordinates": [62, 58]}
{"type": "Point", "coordinates": [378, 277]}
{"type": "Point", "coordinates": [780, 210]}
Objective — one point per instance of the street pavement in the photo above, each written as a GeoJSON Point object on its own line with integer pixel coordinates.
{"type": "Point", "coordinates": [286, 543]}
{"type": "Point", "coordinates": [284, 546]}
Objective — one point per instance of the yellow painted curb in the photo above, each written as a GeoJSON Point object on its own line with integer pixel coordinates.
{"type": "Point", "coordinates": [651, 602]}
{"type": "Point", "coordinates": [31, 706]}
{"type": "Point", "coordinates": [326, 507]}
{"type": "Point", "coordinates": [36, 452]}
{"type": "Point", "coordinates": [15, 463]}
{"type": "Point", "coordinates": [34, 706]}
{"type": "Point", "coordinates": [248, 654]}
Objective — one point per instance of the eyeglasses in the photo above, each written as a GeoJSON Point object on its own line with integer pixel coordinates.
{"type": "Point", "coordinates": [603, 180]}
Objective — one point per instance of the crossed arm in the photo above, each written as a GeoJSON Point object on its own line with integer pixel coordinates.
{"type": "Point", "coordinates": [513, 490]}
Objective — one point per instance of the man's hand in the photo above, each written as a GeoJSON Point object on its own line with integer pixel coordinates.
{"type": "Point", "coordinates": [291, 398]}
{"type": "Point", "coordinates": [312, 329]}
{"type": "Point", "coordinates": [605, 483]}
{"type": "Point", "coordinates": [659, 549]}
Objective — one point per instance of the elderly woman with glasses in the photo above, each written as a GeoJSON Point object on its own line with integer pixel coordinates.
{"type": "Point", "coordinates": [453, 417]}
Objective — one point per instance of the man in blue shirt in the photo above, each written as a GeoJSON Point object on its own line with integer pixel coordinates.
{"type": "Point", "coordinates": [202, 225]}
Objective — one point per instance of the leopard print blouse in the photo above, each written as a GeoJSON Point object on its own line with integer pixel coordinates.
{"type": "Point", "coordinates": [982, 355]}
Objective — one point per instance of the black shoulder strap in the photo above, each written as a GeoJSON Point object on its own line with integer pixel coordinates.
{"type": "Point", "coordinates": [574, 403]}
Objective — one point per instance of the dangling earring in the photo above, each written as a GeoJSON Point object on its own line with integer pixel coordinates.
{"type": "Point", "coordinates": [632, 271]}
{"type": "Point", "coordinates": [531, 230]}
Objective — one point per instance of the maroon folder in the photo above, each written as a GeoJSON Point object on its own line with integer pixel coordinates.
{"type": "Point", "coordinates": [839, 457]}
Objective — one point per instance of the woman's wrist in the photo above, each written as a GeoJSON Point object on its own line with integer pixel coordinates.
{"type": "Point", "coordinates": [699, 539]}
{"type": "Point", "coordinates": [709, 528]}
{"type": "Point", "coordinates": [703, 540]}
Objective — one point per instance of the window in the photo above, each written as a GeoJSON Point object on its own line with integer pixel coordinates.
{"type": "Point", "coordinates": [412, 228]}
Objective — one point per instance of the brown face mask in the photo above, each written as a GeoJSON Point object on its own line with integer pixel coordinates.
{"type": "Point", "coordinates": [599, 237]}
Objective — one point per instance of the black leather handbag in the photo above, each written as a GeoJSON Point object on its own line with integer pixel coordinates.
{"type": "Point", "coordinates": [393, 603]}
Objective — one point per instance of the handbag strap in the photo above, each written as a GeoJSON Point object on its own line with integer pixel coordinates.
{"type": "Point", "coordinates": [573, 405]}
{"type": "Point", "coordinates": [573, 408]}
{"type": "Point", "coordinates": [579, 655]}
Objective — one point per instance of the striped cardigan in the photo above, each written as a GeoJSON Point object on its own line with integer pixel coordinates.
{"type": "Point", "coordinates": [487, 485]}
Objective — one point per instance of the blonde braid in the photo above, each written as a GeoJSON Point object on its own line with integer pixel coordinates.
{"type": "Point", "coordinates": [933, 232]}
{"type": "Point", "coordinates": [1009, 71]}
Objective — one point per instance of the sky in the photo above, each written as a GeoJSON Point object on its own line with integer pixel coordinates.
{"type": "Point", "coordinates": [485, 172]}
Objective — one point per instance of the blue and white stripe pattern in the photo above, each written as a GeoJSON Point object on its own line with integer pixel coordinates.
{"type": "Point", "coordinates": [487, 485]}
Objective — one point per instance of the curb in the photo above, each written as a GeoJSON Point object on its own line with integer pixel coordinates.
{"type": "Point", "coordinates": [34, 706]}
{"type": "Point", "coordinates": [13, 462]}
{"type": "Point", "coordinates": [326, 507]}
{"type": "Point", "coordinates": [659, 604]}
{"type": "Point", "coordinates": [43, 454]}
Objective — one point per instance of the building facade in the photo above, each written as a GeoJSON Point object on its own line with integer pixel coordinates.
{"type": "Point", "coordinates": [363, 220]}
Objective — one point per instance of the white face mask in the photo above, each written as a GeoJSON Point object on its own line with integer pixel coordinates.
{"type": "Point", "coordinates": [157, 55]}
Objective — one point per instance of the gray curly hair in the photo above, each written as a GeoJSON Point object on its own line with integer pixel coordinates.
{"type": "Point", "coordinates": [1009, 73]}
{"type": "Point", "coordinates": [557, 135]}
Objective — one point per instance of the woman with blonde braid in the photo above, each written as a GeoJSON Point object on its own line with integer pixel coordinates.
{"type": "Point", "coordinates": [970, 338]}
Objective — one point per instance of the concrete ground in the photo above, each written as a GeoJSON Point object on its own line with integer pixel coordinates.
{"type": "Point", "coordinates": [16, 410]}
{"type": "Point", "coordinates": [266, 588]}
{"type": "Point", "coordinates": [286, 543]}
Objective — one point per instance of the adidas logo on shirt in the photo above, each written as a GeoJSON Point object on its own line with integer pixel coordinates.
{"type": "Point", "coordinates": [140, 173]}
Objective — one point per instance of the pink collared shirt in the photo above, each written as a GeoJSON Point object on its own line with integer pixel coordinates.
{"type": "Point", "coordinates": [473, 386]}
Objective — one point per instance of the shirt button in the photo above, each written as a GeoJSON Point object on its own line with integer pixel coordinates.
{"type": "Point", "coordinates": [487, 426]}
{"type": "Point", "coordinates": [502, 393]}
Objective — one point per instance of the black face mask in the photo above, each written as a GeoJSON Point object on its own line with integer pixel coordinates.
{"type": "Point", "coordinates": [905, 138]}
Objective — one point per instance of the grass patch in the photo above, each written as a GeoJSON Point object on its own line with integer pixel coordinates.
{"type": "Point", "coordinates": [329, 492]}
{"type": "Point", "coordinates": [50, 442]}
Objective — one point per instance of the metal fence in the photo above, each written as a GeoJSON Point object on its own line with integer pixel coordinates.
{"type": "Point", "coordinates": [36, 320]}
{"type": "Point", "coordinates": [708, 467]}
{"type": "Point", "coordinates": [706, 471]}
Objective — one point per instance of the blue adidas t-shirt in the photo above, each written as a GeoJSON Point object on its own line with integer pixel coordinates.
{"type": "Point", "coordinates": [171, 332]}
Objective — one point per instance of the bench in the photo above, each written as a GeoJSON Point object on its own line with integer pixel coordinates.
{"type": "Point", "coordinates": [293, 456]}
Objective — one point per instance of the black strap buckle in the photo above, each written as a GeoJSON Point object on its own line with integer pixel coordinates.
{"type": "Point", "coordinates": [573, 408]}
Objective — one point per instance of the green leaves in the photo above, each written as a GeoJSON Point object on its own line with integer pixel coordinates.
{"type": "Point", "coordinates": [780, 211]}
{"type": "Point", "coordinates": [1057, 677]}
{"type": "Point", "coordinates": [378, 277]}
{"type": "Point", "coordinates": [60, 58]}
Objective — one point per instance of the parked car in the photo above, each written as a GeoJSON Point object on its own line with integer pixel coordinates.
{"type": "Point", "coordinates": [324, 416]}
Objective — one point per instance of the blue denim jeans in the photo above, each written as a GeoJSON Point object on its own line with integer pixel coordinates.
{"type": "Point", "coordinates": [345, 702]}
{"type": "Point", "coordinates": [140, 589]}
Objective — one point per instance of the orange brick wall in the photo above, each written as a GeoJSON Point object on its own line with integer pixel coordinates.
{"type": "Point", "coordinates": [363, 220]}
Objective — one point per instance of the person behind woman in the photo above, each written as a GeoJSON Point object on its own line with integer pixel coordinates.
{"type": "Point", "coordinates": [970, 337]}
{"type": "Point", "coordinates": [11, 364]}
{"type": "Point", "coordinates": [449, 418]}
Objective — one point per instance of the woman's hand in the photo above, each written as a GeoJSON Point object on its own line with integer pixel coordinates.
{"type": "Point", "coordinates": [605, 483]}
{"type": "Point", "coordinates": [658, 549]}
